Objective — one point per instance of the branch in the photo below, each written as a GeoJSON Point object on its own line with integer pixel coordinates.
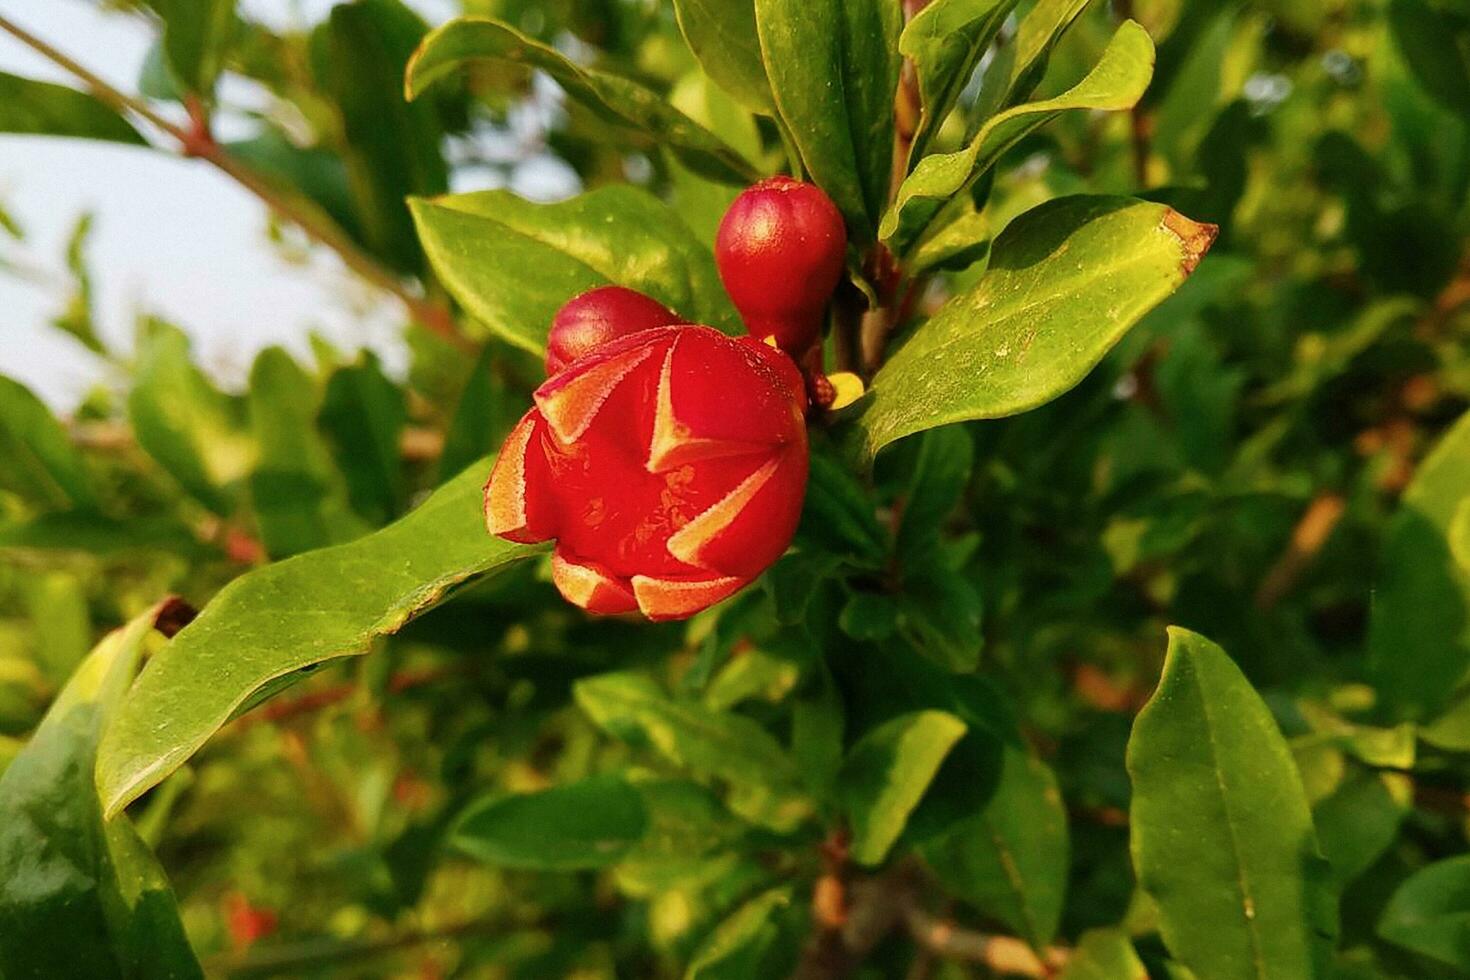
{"type": "Point", "coordinates": [1307, 538]}
{"type": "Point", "coordinates": [300, 956]}
{"type": "Point", "coordinates": [1005, 955]}
{"type": "Point", "coordinates": [197, 142]}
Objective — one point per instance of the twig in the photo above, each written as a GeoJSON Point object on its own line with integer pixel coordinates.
{"type": "Point", "coordinates": [417, 444]}
{"type": "Point", "coordinates": [299, 956]}
{"type": "Point", "coordinates": [1005, 955]}
{"type": "Point", "coordinates": [197, 141]}
{"type": "Point", "coordinates": [1140, 126]}
{"type": "Point", "coordinates": [279, 711]}
{"type": "Point", "coordinates": [1307, 538]}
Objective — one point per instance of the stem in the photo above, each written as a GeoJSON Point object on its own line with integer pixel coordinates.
{"type": "Point", "coordinates": [197, 142]}
{"type": "Point", "coordinates": [299, 956]}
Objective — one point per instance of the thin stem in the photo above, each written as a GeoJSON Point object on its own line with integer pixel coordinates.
{"type": "Point", "coordinates": [197, 142]}
{"type": "Point", "coordinates": [120, 103]}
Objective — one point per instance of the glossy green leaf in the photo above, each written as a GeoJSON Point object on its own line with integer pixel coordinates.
{"type": "Point", "coordinates": [720, 744]}
{"type": "Point", "coordinates": [1222, 835]}
{"type": "Point", "coordinates": [742, 945]}
{"type": "Point", "coordinates": [587, 824]}
{"type": "Point", "coordinates": [196, 35]}
{"type": "Point", "coordinates": [362, 416]}
{"type": "Point", "coordinates": [392, 150]}
{"type": "Point", "coordinates": [300, 498]}
{"type": "Point", "coordinates": [188, 426]}
{"type": "Point", "coordinates": [616, 99]}
{"type": "Point", "coordinates": [1430, 913]}
{"type": "Point", "coordinates": [280, 619]}
{"type": "Point", "coordinates": [1104, 954]}
{"type": "Point", "coordinates": [45, 109]}
{"type": "Point", "coordinates": [512, 263]}
{"type": "Point", "coordinates": [1419, 633]}
{"type": "Point", "coordinates": [1064, 282]}
{"type": "Point", "coordinates": [1117, 82]}
{"type": "Point", "coordinates": [1010, 859]}
{"type": "Point", "coordinates": [886, 773]}
{"type": "Point", "coordinates": [945, 41]}
{"type": "Point", "coordinates": [40, 462]}
{"type": "Point", "coordinates": [80, 897]}
{"type": "Point", "coordinates": [833, 67]}
{"type": "Point", "coordinates": [722, 35]}
{"type": "Point", "coordinates": [1017, 67]}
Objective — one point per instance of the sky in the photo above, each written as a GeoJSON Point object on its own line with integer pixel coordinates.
{"type": "Point", "coordinates": [171, 237]}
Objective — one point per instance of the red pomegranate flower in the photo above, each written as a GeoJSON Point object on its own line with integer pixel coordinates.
{"type": "Point", "coordinates": [669, 465]}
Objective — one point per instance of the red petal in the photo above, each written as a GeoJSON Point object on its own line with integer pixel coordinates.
{"type": "Point", "coordinates": [751, 526]}
{"type": "Point", "coordinates": [570, 401]}
{"type": "Point", "coordinates": [662, 598]}
{"type": "Point", "coordinates": [518, 502]}
{"type": "Point", "coordinates": [591, 586]}
{"type": "Point", "coordinates": [675, 443]}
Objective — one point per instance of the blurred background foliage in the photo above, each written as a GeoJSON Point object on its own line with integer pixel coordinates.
{"type": "Point", "coordinates": [1234, 467]}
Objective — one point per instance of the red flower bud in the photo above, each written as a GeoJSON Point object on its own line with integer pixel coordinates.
{"type": "Point", "coordinates": [669, 465]}
{"type": "Point", "coordinates": [597, 316]}
{"type": "Point", "coordinates": [780, 251]}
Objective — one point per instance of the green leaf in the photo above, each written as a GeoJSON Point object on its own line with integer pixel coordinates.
{"type": "Point", "coordinates": [833, 67]}
{"type": "Point", "coordinates": [1431, 43]}
{"type": "Point", "coordinates": [78, 316]}
{"type": "Point", "coordinates": [196, 35]}
{"type": "Point", "coordinates": [587, 824]}
{"type": "Point", "coordinates": [838, 513]}
{"type": "Point", "coordinates": [616, 99]}
{"type": "Point", "coordinates": [886, 773]}
{"type": "Point", "coordinates": [1065, 281]}
{"type": "Point", "coordinates": [742, 946]}
{"type": "Point", "coordinates": [1018, 67]}
{"type": "Point", "coordinates": [1104, 954]}
{"type": "Point", "coordinates": [393, 146]}
{"type": "Point", "coordinates": [80, 897]}
{"type": "Point", "coordinates": [940, 475]}
{"type": "Point", "coordinates": [1010, 859]}
{"type": "Point", "coordinates": [1221, 833]}
{"type": "Point", "coordinates": [282, 618]}
{"type": "Point", "coordinates": [1117, 82]}
{"type": "Point", "coordinates": [719, 744]}
{"type": "Point", "coordinates": [1430, 912]}
{"type": "Point", "coordinates": [40, 462]}
{"type": "Point", "coordinates": [188, 426]}
{"type": "Point", "coordinates": [300, 500]}
{"type": "Point", "coordinates": [57, 604]}
{"type": "Point", "coordinates": [945, 41]}
{"type": "Point", "coordinates": [722, 35]}
{"type": "Point", "coordinates": [939, 611]}
{"type": "Point", "coordinates": [477, 426]}
{"type": "Point", "coordinates": [1419, 631]}
{"type": "Point", "coordinates": [312, 176]}
{"type": "Point", "coordinates": [512, 263]}
{"type": "Point", "coordinates": [362, 416]}
{"type": "Point", "coordinates": [86, 531]}
{"type": "Point", "coordinates": [44, 109]}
